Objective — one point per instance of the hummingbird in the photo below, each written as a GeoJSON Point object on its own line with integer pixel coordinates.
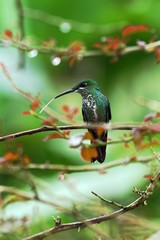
{"type": "Point", "coordinates": [95, 110]}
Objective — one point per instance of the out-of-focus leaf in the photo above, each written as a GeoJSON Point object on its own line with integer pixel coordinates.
{"type": "Point", "coordinates": [35, 104]}
{"type": "Point", "coordinates": [131, 29]}
{"type": "Point", "coordinates": [8, 34]}
{"type": "Point", "coordinates": [88, 153]}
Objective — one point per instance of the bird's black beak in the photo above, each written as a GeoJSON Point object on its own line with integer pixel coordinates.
{"type": "Point", "coordinates": [66, 92]}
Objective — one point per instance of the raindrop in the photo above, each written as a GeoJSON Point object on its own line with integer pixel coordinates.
{"type": "Point", "coordinates": [65, 27]}
{"type": "Point", "coordinates": [103, 39]}
{"type": "Point", "coordinates": [56, 61]}
{"type": "Point", "coordinates": [33, 53]}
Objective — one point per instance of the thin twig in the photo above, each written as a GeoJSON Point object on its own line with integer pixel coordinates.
{"type": "Point", "coordinates": [64, 53]}
{"type": "Point", "coordinates": [26, 196]}
{"type": "Point", "coordinates": [82, 224]}
{"type": "Point", "coordinates": [83, 168]}
{"type": "Point", "coordinates": [108, 201]}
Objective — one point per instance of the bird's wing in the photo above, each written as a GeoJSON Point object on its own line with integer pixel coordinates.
{"type": "Point", "coordinates": [84, 116]}
{"type": "Point", "coordinates": [108, 112]}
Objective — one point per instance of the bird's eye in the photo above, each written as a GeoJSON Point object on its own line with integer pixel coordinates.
{"type": "Point", "coordinates": [84, 84]}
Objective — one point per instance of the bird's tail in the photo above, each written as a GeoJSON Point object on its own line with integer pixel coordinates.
{"type": "Point", "coordinates": [101, 150]}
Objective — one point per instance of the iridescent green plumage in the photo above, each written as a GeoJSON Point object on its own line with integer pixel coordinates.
{"type": "Point", "coordinates": [95, 109]}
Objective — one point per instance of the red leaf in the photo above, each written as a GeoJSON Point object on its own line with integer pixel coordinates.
{"type": "Point", "coordinates": [26, 160]}
{"type": "Point", "coordinates": [98, 45]}
{"type": "Point", "coordinates": [131, 29]}
{"type": "Point", "coordinates": [150, 177]}
{"type": "Point", "coordinates": [88, 153]}
{"type": "Point", "coordinates": [149, 117]}
{"type": "Point", "coordinates": [26, 112]}
{"type": "Point", "coordinates": [75, 47]}
{"type": "Point", "coordinates": [66, 108]}
{"type": "Point", "coordinates": [56, 135]}
{"type": "Point", "coordinates": [49, 122]}
{"type": "Point", "coordinates": [35, 104]}
{"type": "Point", "coordinates": [10, 156]}
{"type": "Point", "coordinates": [52, 135]}
{"type": "Point", "coordinates": [113, 43]}
{"type": "Point", "coordinates": [66, 133]}
{"type": "Point", "coordinates": [8, 34]}
{"type": "Point", "coordinates": [75, 111]}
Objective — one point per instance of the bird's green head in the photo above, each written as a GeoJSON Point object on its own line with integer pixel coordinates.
{"type": "Point", "coordinates": [84, 87]}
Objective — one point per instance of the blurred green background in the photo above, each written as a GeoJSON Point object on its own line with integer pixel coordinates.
{"type": "Point", "coordinates": [134, 75]}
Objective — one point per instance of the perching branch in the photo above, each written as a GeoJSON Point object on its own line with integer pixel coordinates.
{"type": "Point", "coordinates": [73, 127]}
{"type": "Point", "coordinates": [141, 200]}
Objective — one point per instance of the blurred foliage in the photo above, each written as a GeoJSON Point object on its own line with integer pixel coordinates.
{"type": "Point", "coordinates": [134, 75]}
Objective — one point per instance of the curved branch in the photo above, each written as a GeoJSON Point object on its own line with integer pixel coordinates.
{"type": "Point", "coordinates": [144, 195]}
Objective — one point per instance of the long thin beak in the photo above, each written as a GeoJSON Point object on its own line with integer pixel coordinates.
{"type": "Point", "coordinates": [65, 92]}
{"type": "Point", "coordinates": [61, 94]}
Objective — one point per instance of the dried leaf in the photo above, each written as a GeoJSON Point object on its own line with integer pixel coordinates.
{"type": "Point", "coordinates": [88, 153]}
{"type": "Point", "coordinates": [131, 29]}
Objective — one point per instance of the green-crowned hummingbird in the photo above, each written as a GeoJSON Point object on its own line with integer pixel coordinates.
{"type": "Point", "coordinates": [95, 109]}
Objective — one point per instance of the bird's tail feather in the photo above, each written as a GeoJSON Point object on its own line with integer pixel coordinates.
{"type": "Point", "coordinates": [101, 150]}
